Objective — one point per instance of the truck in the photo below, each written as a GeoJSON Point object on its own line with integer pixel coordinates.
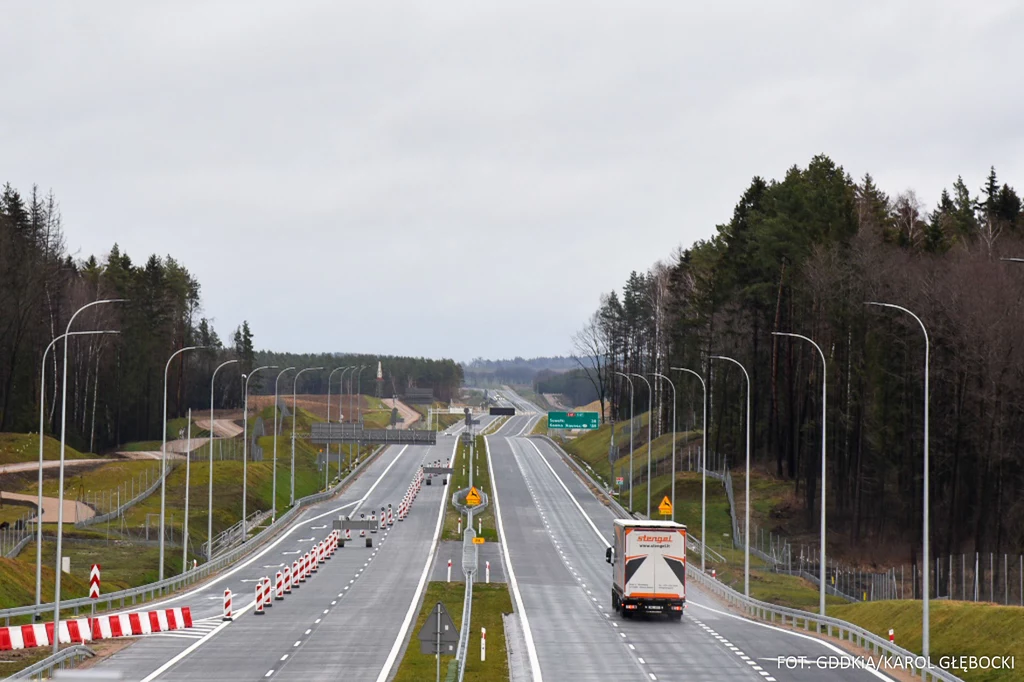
{"type": "Point", "coordinates": [648, 561]}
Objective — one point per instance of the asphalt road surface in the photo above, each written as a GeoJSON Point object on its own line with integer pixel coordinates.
{"type": "Point", "coordinates": [350, 619]}
{"type": "Point", "coordinates": [555, 534]}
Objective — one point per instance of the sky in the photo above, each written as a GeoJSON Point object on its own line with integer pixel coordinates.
{"type": "Point", "coordinates": [465, 179]}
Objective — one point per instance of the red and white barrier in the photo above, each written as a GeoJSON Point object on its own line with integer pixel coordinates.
{"type": "Point", "coordinates": [142, 623]}
{"type": "Point", "coordinates": [287, 579]}
{"type": "Point", "coordinates": [294, 575]}
{"type": "Point", "coordinates": [227, 605]}
{"type": "Point", "coordinates": [391, 517]}
{"type": "Point", "coordinates": [487, 571]}
{"type": "Point", "coordinates": [268, 600]}
{"type": "Point", "coordinates": [279, 586]}
{"type": "Point", "coordinates": [303, 567]}
{"type": "Point", "coordinates": [259, 598]}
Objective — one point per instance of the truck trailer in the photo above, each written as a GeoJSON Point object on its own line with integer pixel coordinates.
{"type": "Point", "coordinates": [648, 561]}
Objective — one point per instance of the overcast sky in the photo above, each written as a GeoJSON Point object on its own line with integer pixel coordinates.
{"type": "Point", "coordinates": [464, 179]}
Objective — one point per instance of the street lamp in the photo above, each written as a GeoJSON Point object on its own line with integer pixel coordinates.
{"type": "Point", "coordinates": [163, 455]}
{"type": "Point", "coordinates": [662, 376]}
{"type": "Point", "coordinates": [626, 377]}
{"type": "Point", "coordinates": [650, 418]}
{"type": "Point", "coordinates": [359, 390]}
{"type": "Point", "coordinates": [245, 446]}
{"type": "Point", "coordinates": [273, 495]}
{"type": "Point", "coordinates": [746, 528]}
{"type": "Point", "coordinates": [209, 498]}
{"type": "Point", "coordinates": [341, 398]}
{"type": "Point", "coordinates": [39, 504]}
{"type": "Point", "coordinates": [824, 413]}
{"type": "Point", "coordinates": [60, 485]}
{"type": "Point", "coordinates": [327, 458]}
{"type": "Point", "coordinates": [924, 573]}
{"type": "Point", "coordinates": [295, 414]}
{"type": "Point", "coordinates": [703, 465]}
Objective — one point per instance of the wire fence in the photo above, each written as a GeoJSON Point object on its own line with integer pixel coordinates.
{"type": "Point", "coordinates": [14, 535]}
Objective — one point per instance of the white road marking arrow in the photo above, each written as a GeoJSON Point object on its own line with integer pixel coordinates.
{"type": "Point", "coordinates": [306, 539]}
{"type": "Point", "coordinates": [254, 580]}
{"type": "Point", "coordinates": [318, 527]}
{"type": "Point", "coordinates": [273, 566]}
{"type": "Point", "coordinates": [295, 552]}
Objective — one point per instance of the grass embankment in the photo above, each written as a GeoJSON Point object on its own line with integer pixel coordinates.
{"type": "Point", "coordinates": [490, 601]}
{"type": "Point", "coordinates": [481, 481]}
{"type": "Point", "coordinates": [541, 427]}
{"type": "Point", "coordinates": [440, 419]}
{"type": "Point", "coordinates": [18, 582]}
{"type": "Point", "coordinates": [24, 447]}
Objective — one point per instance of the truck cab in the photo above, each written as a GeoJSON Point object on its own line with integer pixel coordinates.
{"type": "Point", "coordinates": [648, 561]}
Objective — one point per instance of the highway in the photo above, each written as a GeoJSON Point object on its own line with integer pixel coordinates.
{"type": "Point", "coordinates": [350, 618]}
{"type": "Point", "coordinates": [555, 533]}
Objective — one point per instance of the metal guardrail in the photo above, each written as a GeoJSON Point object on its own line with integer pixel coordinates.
{"type": "Point", "coordinates": [832, 627]}
{"type": "Point", "coordinates": [131, 596]}
{"type": "Point", "coordinates": [782, 615]}
{"type": "Point", "coordinates": [65, 658]}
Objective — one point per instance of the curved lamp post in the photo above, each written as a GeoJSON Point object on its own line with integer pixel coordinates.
{"type": "Point", "coordinates": [39, 503]}
{"type": "Point", "coordinates": [626, 377]}
{"type": "Point", "coordinates": [245, 447]}
{"type": "Point", "coordinates": [327, 458]}
{"type": "Point", "coordinates": [60, 485]}
{"type": "Point", "coordinates": [703, 465]}
{"type": "Point", "coordinates": [295, 414]}
{"type": "Point", "coordinates": [662, 376]}
{"type": "Point", "coordinates": [163, 455]}
{"type": "Point", "coordinates": [273, 504]}
{"type": "Point", "coordinates": [925, 555]}
{"type": "Point", "coordinates": [824, 416]}
{"type": "Point", "coordinates": [209, 496]}
{"type": "Point", "coordinates": [746, 528]}
{"type": "Point", "coordinates": [650, 418]}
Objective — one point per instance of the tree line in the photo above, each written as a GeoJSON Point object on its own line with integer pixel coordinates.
{"type": "Point", "coordinates": [804, 254]}
{"type": "Point", "coordinates": [116, 381]}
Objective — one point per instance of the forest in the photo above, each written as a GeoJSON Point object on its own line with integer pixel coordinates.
{"type": "Point", "coordinates": [116, 381]}
{"type": "Point", "coordinates": [804, 254]}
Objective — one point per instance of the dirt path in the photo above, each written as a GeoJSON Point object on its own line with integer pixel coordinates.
{"type": "Point", "coordinates": [225, 428]}
{"type": "Point", "coordinates": [176, 449]}
{"type": "Point", "coordinates": [51, 464]}
{"type": "Point", "coordinates": [410, 415]}
{"type": "Point", "coordinates": [73, 510]}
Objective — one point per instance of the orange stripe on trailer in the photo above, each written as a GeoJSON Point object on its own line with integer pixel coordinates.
{"type": "Point", "coordinates": [652, 595]}
{"type": "Point", "coordinates": [677, 558]}
{"type": "Point", "coordinates": [635, 556]}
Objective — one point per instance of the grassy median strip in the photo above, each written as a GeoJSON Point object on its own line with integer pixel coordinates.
{"type": "Point", "coordinates": [490, 601]}
{"type": "Point", "coordinates": [481, 481]}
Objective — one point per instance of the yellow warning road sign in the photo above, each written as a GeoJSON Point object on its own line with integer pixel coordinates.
{"type": "Point", "coordinates": [665, 507]}
{"type": "Point", "coordinates": [473, 497]}
{"type": "Point", "coordinates": [478, 540]}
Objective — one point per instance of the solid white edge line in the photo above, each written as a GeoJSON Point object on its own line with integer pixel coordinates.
{"type": "Point", "coordinates": [827, 645]}
{"type": "Point", "coordinates": [159, 671]}
{"type": "Point", "coordinates": [506, 558]}
{"type": "Point", "coordinates": [385, 672]}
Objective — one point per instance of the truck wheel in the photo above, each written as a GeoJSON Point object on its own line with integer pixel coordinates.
{"type": "Point", "coordinates": [676, 616]}
{"type": "Point", "coordinates": [626, 614]}
{"type": "Point", "coordinates": [615, 602]}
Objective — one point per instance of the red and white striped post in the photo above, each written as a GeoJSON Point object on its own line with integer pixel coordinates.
{"type": "Point", "coordinates": [94, 582]}
{"type": "Point", "coordinates": [294, 575]}
{"type": "Point", "coordinates": [303, 568]}
{"type": "Point", "coordinates": [458, 530]}
{"type": "Point", "coordinates": [267, 597]}
{"type": "Point", "coordinates": [391, 516]}
{"type": "Point", "coordinates": [227, 605]}
{"type": "Point", "coordinates": [287, 579]}
{"type": "Point", "coordinates": [487, 571]}
{"type": "Point", "coordinates": [713, 576]}
{"type": "Point", "coordinates": [892, 636]}
{"type": "Point", "coordinates": [483, 644]}
{"type": "Point", "coordinates": [279, 586]}
{"type": "Point", "coordinates": [449, 570]}
{"type": "Point", "coordinates": [259, 598]}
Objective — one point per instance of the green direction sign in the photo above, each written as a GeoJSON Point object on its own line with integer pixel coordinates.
{"type": "Point", "coordinates": [573, 420]}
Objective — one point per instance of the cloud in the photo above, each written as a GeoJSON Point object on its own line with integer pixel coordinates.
{"type": "Point", "coordinates": [465, 179]}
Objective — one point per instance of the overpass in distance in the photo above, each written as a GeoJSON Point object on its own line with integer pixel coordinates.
{"type": "Point", "coordinates": [353, 618]}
